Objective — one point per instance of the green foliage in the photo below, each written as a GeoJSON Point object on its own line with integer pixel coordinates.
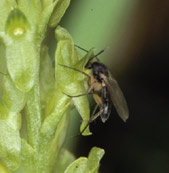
{"type": "Point", "coordinates": [34, 111]}
{"type": "Point", "coordinates": [58, 12]}
{"type": "Point", "coordinates": [72, 83]}
{"type": "Point", "coordinates": [89, 165]}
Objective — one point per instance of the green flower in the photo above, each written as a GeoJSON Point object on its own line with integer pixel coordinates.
{"type": "Point", "coordinates": [34, 111]}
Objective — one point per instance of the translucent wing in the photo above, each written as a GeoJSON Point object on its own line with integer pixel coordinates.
{"type": "Point", "coordinates": [117, 97]}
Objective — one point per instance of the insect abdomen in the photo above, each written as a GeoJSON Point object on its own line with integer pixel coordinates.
{"type": "Point", "coordinates": [106, 105]}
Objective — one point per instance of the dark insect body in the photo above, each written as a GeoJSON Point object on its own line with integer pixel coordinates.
{"type": "Point", "coordinates": [105, 90]}
{"type": "Point", "coordinates": [96, 84]}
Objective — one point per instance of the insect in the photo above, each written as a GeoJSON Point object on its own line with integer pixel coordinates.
{"type": "Point", "coordinates": [105, 90]}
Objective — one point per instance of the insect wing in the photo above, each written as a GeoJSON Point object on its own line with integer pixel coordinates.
{"type": "Point", "coordinates": [117, 97]}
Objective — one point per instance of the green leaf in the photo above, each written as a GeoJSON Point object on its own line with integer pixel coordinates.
{"type": "Point", "coordinates": [5, 5]}
{"type": "Point", "coordinates": [47, 82]}
{"type": "Point", "coordinates": [50, 144]}
{"type": "Point", "coordinates": [61, 105]}
{"type": "Point", "coordinates": [57, 102]}
{"type": "Point", "coordinates": [65, 76]}
{"type": "Point", "coordinates": [16, 24]}
{"type": "Point", "coordinates": [70, 81]}
{"type": "Point", "coordinates": [10, 145]}
{"type": "Point", "coordinates": [32, 13]}
{"type": "Point", "coordinates": [58, 12]}
{"type": "Point", "coordinates": [81, 104]}
{"type": "Point", "coordinates": [27, 158]}
{"type": "Point", "coordinates": [21, 52]}
{"type": "Point", "coordinates": [64, 159]}
{"type": "Point", "coordinates": [87, 165]}
{"type": "Point", "coordinates": [78, 166]}
{"type": "Point", "coordinates": [62, 34]}
{"type": "Point", "coordinates": [22, 64]}
{"type": "Point", "coordinates": [94, 158]}
{"type": "Point", "coordinates": [12, 98]}
{"type": "Point", "coordinates": [44, 16]}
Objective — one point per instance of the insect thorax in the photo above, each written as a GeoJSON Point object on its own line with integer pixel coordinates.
{"type": "Point", "coordinates": [98, 70]}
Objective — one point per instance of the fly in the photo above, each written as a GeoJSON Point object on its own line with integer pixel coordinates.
{"type": "Point", "coordinates": [105, 90]}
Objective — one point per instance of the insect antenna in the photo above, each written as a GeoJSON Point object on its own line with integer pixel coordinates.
{"type": "Point", "coordinates": [95, 56]}
{"type": "Point", "coordinates": [88, 51]}
{"type": "Point", "coordinates": [81, 48]}
{"type": "Point", "coordinates": [75, 69]}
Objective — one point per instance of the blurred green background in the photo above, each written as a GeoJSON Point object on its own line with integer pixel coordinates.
{"type": "Point", "coordinates": [137, 35]}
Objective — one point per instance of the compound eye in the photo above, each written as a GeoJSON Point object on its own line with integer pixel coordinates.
{"type": "Point", "coordinates": [88, 65]}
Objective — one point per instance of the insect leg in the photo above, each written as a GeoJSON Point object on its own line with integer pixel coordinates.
{"type": "Point", "coordinates": [98, 99]}
{"type": "Point", "coordinates": [87, 93]}
{"type": "Point", "coordinates": [78, 95]}
{"type": "Point", "coordinates": [92, 118]}
{"type": "Point", "coordinates": [89, 121]}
